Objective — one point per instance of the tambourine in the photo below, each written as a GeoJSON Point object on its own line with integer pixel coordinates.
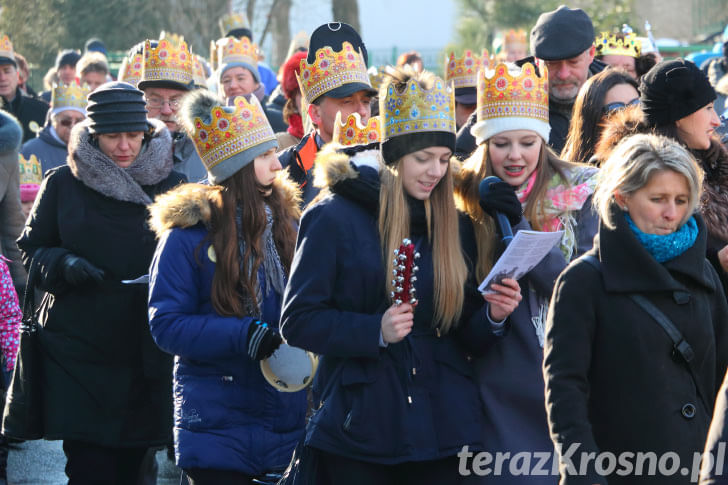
{"type": "Point", "coordinates": [289, 369]}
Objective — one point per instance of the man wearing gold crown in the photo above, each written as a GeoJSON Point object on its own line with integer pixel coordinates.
{"type": "Point", "coordinates": [333, 79]}
{"type": "Point", "coordinates": [30, 112]}
{"type": "Point", "coordinates": [68, 107]}
{"type": "Point", "coordinates": [167, 77]}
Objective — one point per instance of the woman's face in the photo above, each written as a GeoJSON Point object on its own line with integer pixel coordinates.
{"type": "Point", "coordinates": [123, 148]}
{"type": "Point", "coordinates": [514, 155]}
{"type": "Point", "coordinates": [661, 206]}
{"type": "Point", "coordinates": [266, 169]}
{"type": "Point", "coordinates": [237, 81]}
{"type": "Point", "coordinates": [696, 128]}
{"type": "Point", "coordinates": [422, 170]}
{"type": "Point", "coordinates": [620, 96]}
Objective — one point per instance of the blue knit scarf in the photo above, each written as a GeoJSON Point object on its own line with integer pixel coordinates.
{"type": "Point", "coordinates": [666, 247]}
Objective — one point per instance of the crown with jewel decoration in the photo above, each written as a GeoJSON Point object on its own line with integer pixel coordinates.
{"type": "Point", "coordinates": [618, 45]}
{"type": "Point", "coordinates": [332, 69]}
{"type": "Point", "coordinates": [69, 96]}
{"type": "Point", "coordinates": [515, 99]}
{"type": "Point", "coordinates": [31, 176]}
{"type": "Point", "coordinates": [167, 63]}
{"type": "Point", "coordinates": [237, 51]}
{"type": "Point", "coordinates": [131, 69]}
{"type": "Point", "coordinates": [514, 37]}
{"type": "Point", "coordinates": [463, 71]}
{"type": "Point", "coordinates": [175, 39]}
{"type": "Point", "coordinates": [199, 74]}
{"type": "Point", "coordinates": [353, 132]}
{"type": "Point", "coordinates": [415, 110]}
{"type": "Point", "coordinates": [6, 48]}
{"type": "Point", "coordinates": [232, 21]}
{"type": "Point", "coordinates": [231, 132]}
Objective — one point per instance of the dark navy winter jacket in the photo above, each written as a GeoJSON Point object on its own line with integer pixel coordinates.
{"type": "Point", "coordinates": [414, 400]}
{"type": "Point", "coordinates": [227, 417]}
{"type": "Point", "coordinates": [51, 153]}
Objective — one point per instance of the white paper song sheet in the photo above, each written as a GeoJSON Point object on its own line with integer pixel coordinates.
{"type": "Point", "coordinates": [525, 251]}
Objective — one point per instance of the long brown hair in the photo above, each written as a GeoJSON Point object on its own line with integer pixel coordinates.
{"type": "Point", "coordinates": [586, 123]}
{"type": "Point", "coordinates": [230, 285]}
{"type": "Point", "coordinates": [476, 168]}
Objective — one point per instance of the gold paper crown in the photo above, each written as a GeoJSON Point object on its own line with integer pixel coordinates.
{"type": "Point", "coordinates": [175, 39]}
{"type": "Point", "coordinates": [330, 70]}
{"type": "Point", "coordinates": [167, 62]}
{"type": "Point", "coordinates": [69, 96]}
{"type": "Point", "coordinates": [463, 71]}
{"type": "Point", "coordinates": [232, 50]}
{"type": "Point", "coordinates": [618, 44]}
{"type": "Point", "coordinates": [415, 110]}
{"type": "Point", "coordinates": [199, 75]}
{"type": "Point", "coordinates": [233, 21]}
{"type": "Point", "coordinates": [353, 132]}
{"type": "Point", "coordinates": [512, 37]}
{"type": "Point", "coordinates": [228, 134]}
{"type": "Point", "coordinates": [6, 47]}
{"type": "Point", "coordinates": [30, 170]}
{"type": "Point", "coordinates": [131, 69]}
{"type": "Point", "coordinates": [512, 101]}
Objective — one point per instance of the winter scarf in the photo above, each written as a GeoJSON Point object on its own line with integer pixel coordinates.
{"type": "Point", "coordinates": [275, 275]}
{"type": "Point", "coordinates": [100, 173]}
{"type": "Point", "coordinates": [668, 246]}
{"type": "Point", "coordinates": [563, 197]}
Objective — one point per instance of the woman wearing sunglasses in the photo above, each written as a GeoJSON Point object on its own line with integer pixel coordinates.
{"type": "Point", "coordinates": [677, 101]}
{"type": "Point", "coordinates": [601, 95]}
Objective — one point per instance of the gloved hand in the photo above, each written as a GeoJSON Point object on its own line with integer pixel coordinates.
{"type": "Point", "coordinates": [77, 270]}
{"type": "Point", "coordinates": [501, 197]}
{"type": "Point", "coordinates": [262, 340]}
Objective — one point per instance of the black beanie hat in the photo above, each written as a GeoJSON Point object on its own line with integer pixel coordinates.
{"type": "Point", "coordinates": [672, 90]}
{"type": "Point", "coordinates": [67, 57]}
{"type": "Point", "coordinates": [397, 147]}
{"type": "Point", "coordinates": [117, 107]}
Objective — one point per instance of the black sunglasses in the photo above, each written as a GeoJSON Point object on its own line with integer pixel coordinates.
{"type": "Point", "coordinates": [608, 108]}
{"type": "Point", "coordinates": [68, 122]}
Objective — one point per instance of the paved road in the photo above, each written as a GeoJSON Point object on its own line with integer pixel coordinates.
{"type": "Point", "coordinates": [41, 463]}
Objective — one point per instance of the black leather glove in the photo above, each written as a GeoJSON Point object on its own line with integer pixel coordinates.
{"type": "Point", "coordinates": [77, 270]}
{"type": "Point", "coordinates": [262, 340]}
{"type": "Point", "coordinates": [501, 197]}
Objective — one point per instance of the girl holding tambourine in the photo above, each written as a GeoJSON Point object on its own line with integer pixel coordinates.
{"type": "Point", "coordinates": [395, 395]}
{"type": "Point", "coordinates": [216, 286]}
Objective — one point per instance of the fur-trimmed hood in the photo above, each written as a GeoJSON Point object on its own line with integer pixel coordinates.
{"type": "Point", "coordinates": [190, 204]}
{"type": "Point", "coordinates": [11, 134]}
{"type": "Point", "coordinates": [621, 124]}
{"type": "Point", "coordinates": [97, 171]}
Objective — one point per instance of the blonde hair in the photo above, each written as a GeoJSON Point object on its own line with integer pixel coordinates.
{"type": "Point", "coordinates": [632, 164]}
{"type": "Point", "coordinates": [476, 168]}
{"type": "Point", "coordinates": [450, 270]}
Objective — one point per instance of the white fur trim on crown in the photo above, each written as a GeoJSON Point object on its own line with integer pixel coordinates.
{"type": "Point", "coordinates": [483, 130]}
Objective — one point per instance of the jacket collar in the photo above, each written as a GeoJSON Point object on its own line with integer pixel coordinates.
{"type": "Point", "coordinates": [628, 267]}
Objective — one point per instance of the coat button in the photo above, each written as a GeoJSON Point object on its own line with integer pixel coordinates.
{"type": "Point", "coordinates": [688, 411]}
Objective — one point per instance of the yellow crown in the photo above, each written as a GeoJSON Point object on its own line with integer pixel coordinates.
{"type": "Point", "coordinates": [6, 47]}
{"type": "Point", "coordinates": [232, 50]}
{"type": "Point", "coordinates": [415, 110]}
{"type": "Point", "coordinates": [353, 132]}
{"type": "Point", "coordinates": [30, 170]}
{"type": "Point", "coordinates": [514, 37]}
{"type": "Point", "coordinates": [511, 101]}
{"type": "Point", "coordinates": [131, 69]}
{"type": "Point", "coordinates": [175, 39]}
{"type": "Point", "coordinates": [69, 96]}
{"type": "Point", "coordinates": [232, 21]}
{"type": "Point", "coordinates": [167, 62]}
{"type": "Point", "coordinates": [618, 44]}
{"type": "Point", "coordinates": [230, 133]}
{"type": "Point", "coordinates": [463, 71]}
{"type": "Point", "coordinates": [199, 74]}
{"type": "Point", "coordinates": [332, 69]}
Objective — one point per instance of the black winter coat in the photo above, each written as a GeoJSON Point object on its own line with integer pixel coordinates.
{"type": "Point", "coordinates": [612, 382]}
{"type": "Point", "coordinates": [27, 110]}
{"type": "Point", "coordinates": [104, 379]}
